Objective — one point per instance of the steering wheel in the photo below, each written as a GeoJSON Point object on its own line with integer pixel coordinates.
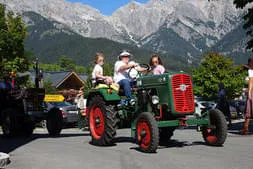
{"type": "Point", "coordinates": [133, 72]}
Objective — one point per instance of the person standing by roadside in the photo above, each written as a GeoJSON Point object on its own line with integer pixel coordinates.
{"type": "Point", "coordinates": [223, 104]}
{"type": "Point", "coordinates": [249, 104]}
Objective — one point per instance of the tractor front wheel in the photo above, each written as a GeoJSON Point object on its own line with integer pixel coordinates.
{"type": "Point", "coordinates": [216, 133]}
{"type": "Point", "coordinates": [147, 132]}
{"type": "Point", "coordinates": [102, 122]}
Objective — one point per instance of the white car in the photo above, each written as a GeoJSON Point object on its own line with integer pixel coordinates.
{"type": "Point", "coordinates": [202, 105]}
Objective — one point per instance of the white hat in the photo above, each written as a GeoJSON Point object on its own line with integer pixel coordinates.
{"type": "Point", "coordinates": [124, 53]}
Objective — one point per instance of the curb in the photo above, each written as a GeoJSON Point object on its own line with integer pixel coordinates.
{"type": "Point", "coordinates": [4, 159]}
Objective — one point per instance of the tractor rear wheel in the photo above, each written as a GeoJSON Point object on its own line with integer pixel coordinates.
{"type": "Point", "coordinates": [147, 132]}
{"type": "Point", "coordinates": [216, 133]}
{"type": "Point", "coordinates": [10, 122]}
{"type": "Point", "coordinates": [102, 122]}
{"type": "Point", "coordinates": [54, 122]}
{"type": "Point", "coordinates": [165, 134]}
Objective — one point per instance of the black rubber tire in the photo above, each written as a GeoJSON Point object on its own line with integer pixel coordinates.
{"type": "Point", "coordinates": [28, 127]}
{"type": "Point", "coordinates": [218, 129]}
{"type": "Point", "coordinates": [110, 122]}
{"type": "Point", "coordinates": [54, 122]}
{"type": "Point", "coordinates": [148, 118]}
{"type": "Point", "coordinates": [10, 125]}
{"type": "Point", "coordinates": [165, 134]}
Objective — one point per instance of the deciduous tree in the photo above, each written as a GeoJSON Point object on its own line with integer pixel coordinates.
{"type": "Point", "coordinates": [12, 35]}
{"type": "Point", "coordinates": [214, 69]}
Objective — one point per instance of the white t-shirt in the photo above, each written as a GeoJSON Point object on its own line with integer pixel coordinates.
{"type": "Point", "coordinates": [118, 76]}
{"type": "Point", "coordinates": [250, 73]}
{"type": "Point", "coordinates": [98, 69]}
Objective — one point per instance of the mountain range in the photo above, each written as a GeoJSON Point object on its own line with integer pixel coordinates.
{"type": "Point", "coordinates": [179, 29]}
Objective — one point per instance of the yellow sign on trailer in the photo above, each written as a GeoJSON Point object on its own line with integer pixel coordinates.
{"type": "Point", "coordinates": [53, 98]}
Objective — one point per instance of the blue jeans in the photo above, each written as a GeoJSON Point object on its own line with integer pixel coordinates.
{"type": "Point", "coordinates": [125, 84]}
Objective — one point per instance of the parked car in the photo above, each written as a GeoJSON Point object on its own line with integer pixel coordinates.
{"type": "Point", "coordinates": [69, 111]}
{"type": "Point", "coordinates": [233, 112]}
{"type": "Point", "coordinates": [203, 105]}
{"type": "Point", "coordinates": [238, 107]}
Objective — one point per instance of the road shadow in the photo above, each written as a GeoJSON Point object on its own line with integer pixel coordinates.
{"type": "Point", "coordinates": [117, 140]}
{"type": "Point", "coordinates": [170, 144]}
{"type": "Point", "coordinates": [234, 129]}
{"type": "Point", "coordinates": [237, 126]}
{"type": "Point", "coordinates": [124, 140]}
{"type": "Point", "coordinates": [180, 144]}
{"type": "Point", "coordinates": [8, 145]}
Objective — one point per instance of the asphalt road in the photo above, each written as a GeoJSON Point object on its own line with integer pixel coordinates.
{"type": "Point", "coordinates": [72, 150]}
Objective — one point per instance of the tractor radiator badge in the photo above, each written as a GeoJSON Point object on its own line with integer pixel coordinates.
{"type": "Point", "coordinates": [182, 87]}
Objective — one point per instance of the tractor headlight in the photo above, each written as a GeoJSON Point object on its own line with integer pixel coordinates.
{"type": "Point", "coordinates": [139, 83]}
{"type": "Point", "coordinates": [155, 99]}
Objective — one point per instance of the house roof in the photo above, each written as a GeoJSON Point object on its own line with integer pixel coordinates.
{"type": "Point", "coordinates": [58, 78]}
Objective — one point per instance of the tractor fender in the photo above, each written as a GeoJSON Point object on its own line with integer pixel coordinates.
{"type": "Point", "coordinates": [109, 95]}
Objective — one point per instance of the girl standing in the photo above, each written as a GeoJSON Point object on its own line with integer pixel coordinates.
{"type": "Point", "coordinates": [249, 105]}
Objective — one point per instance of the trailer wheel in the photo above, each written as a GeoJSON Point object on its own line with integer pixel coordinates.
{"type": "Point", "coordinates": [9, 122]}
{"type": "Point", "coordinates": [102, 122]}
{"type": "Point", "coordinates": [165, 134]}
{"type": "Point", "coordinates": [216, 134]}
{"type": "Point", "coordinates": [54, 122]}
{"type": "Point", "coordinates": [147, 132]}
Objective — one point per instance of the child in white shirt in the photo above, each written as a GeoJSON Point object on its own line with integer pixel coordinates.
{"type": "Point", "coordinates": [97, 73]}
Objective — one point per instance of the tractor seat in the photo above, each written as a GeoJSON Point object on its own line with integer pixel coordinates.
{"type": "Point", "coordinates": [105, 86]}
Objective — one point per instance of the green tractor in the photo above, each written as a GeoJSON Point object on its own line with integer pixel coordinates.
{"type": "Point", "coordinates": [163, 103]}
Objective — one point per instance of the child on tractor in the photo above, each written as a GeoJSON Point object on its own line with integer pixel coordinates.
{"type": "Point", "coordinates": [156, 62]}
{"type": "Point", "coordinates": [97, 73]}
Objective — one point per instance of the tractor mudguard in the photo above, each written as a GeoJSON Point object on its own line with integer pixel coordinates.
{"type": "Point", "coordinates": [108, 94]}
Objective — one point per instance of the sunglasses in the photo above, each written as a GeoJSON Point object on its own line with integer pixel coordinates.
{"type": "Point", "coordinates": [155, 62]}
{"type": "Point", "coordinates": [101, 60]}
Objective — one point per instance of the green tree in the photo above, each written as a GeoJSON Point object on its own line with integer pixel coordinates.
{"type": "Point", "coordinates": [66, 63]}
{"type": "Point", "coordinates": [50, 67]}
{"type": "Point", "coordinates": [49, 89]}
{"type": "Point", "coordinates": [30, 56]}
{"type": "Point", "coordinates": [12, 34]}
{"type": "Point", "coordinates": [80, 69]}
{"type": "Point", "coordinates": [248, 17]}
{"type": "Point", "coordinates": [214, 69]}
{"type": "Point", "coordinates": [108, 69]}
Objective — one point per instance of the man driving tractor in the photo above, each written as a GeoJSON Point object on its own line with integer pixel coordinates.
{"type": "Point", "coordinates": [121, 76]}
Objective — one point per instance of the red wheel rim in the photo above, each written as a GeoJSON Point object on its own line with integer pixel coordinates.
{"type": "Point", "coordinates": [143, 134]}
{"type": "Point", "coordinates": [96, 122]}
{"type": "Point", "coordinates": [210, 135]}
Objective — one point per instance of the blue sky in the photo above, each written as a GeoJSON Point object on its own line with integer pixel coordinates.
{"type": "Point", "coordinates": [106, 7]}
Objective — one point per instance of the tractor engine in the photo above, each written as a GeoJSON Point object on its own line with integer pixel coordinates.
{"type": "Point", "coordinates": [168, 95]}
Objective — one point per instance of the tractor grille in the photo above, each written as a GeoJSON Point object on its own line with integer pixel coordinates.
{"type": "Point", "coordinates": [182, 93]}
{"type": "Point", "coordinates": [34, 102]}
